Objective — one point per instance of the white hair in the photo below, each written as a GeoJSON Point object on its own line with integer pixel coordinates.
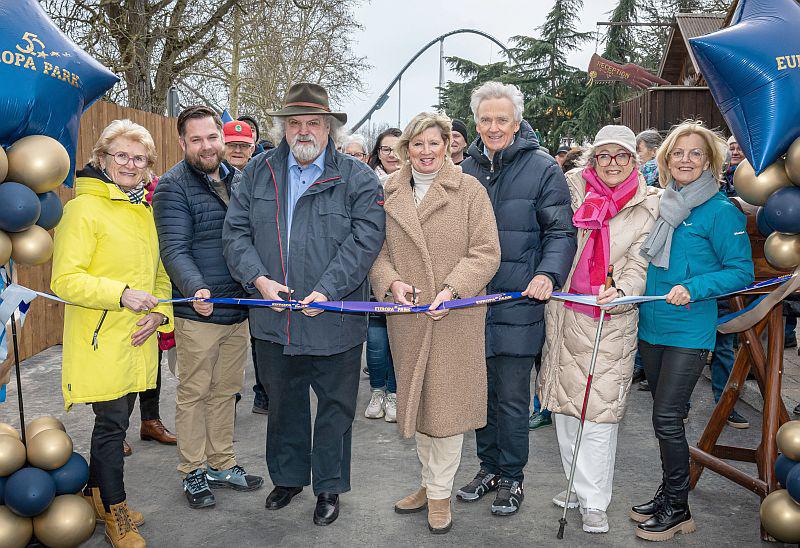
{"type": "Point", "coordinates": [278, 131]}
{"type": "Point", "coordinates": [356, 138]}
{"type": "Point", "coordinates": [497, 90]}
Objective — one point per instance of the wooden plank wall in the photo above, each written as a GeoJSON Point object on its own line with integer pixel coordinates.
{"type": "Point", "coordinates": [663, 107]}
{"type": "Point", "coordinates": [44, 323]}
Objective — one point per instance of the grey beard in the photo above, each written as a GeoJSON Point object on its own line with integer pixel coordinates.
{"type": "Point", "coordinates": [305, 152]}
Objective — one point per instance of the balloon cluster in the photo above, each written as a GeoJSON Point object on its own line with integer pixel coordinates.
{"type": "Point", "coordinates": [31, 169]}
{"type": "Point", "coordinates": [777, 189]}
{"type": "Point", "coordinates": [42, 498]}
{"type": "Point", "coordinates": [780, 510]}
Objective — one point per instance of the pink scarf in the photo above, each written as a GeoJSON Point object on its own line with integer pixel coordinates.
{"type": "Point", "coordinates": [599, 206]}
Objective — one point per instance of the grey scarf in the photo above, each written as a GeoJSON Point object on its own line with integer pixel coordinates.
{"type": "Point", "coordinates": [674, 207]}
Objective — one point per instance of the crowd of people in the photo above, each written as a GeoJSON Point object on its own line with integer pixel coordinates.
{"type": "Point", "coordinates": [426, 215]}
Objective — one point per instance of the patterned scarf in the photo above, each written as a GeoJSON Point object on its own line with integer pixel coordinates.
{"type": "Point", "coordinates": [598, 208]}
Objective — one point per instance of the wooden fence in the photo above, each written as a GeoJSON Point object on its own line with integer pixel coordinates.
{"type": "Point", "coordinates": [44, 323]}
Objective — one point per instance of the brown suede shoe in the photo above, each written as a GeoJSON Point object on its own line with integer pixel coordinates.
{"type": "Point", "coordinates": [127, 450]}
{"type": "Point", "coordinates": [121, 532]}
{"type": "Point", "coordinates": [100, 512]}
{"type": "Point", "coordinates": [440, 520]}
{"type": "Point", "coordinates": [416, 502]}
{"type": "Point", "coordinates": [154, 430]}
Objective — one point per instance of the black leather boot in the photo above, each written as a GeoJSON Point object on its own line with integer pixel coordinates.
{"type": "Point", "coordinates": [671, 517]}
{"type": "Point", "coordinates": [645, 511]}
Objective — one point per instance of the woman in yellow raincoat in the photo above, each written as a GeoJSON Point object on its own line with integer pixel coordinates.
{"type": "Point", "coordinates": [106, 264]}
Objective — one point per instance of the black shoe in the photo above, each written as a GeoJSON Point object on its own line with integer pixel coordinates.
{"type": "Point", "coordinates": [644, 386]}
{"type": "Point", "coordinates": [796, 410]}
{"type": "Point", "coordinates": [198, 493]}
{"type": "Point", "coordinates": [508, 499]}
{"type": "Point", "coordinates": [672, 517]}
{"type": "Point", "coordinates": [645, 511]}
{"type": "Point", "coordinates": [790, 342]}
{"type": "Point", "coordinates": [638, 375]}
{"type": "Point", "coordinates": [281, 496]}
{"type": "Point", "coordinates": [327, 509]}
{"type": "Point", "coordinates": [735, 420]}
{"type": "Point", "coordinates": [482, 483]}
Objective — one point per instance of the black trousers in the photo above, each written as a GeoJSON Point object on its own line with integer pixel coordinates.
{"type": "Point", "coordinates": [149, 399]}
{"type": "Point", "coordinates": [672, 374]}
{"type": "Point", "coordinates": [106, 461]}
{"type": "Point", "coordinates": [261, 398]}
{"type": "Point", "coordinates": [292, 459]}
{"type": "Point", "coordinates": [503, 442]}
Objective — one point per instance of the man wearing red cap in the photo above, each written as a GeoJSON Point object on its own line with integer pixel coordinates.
{"type": "Point", "coordinates": [238, 143]}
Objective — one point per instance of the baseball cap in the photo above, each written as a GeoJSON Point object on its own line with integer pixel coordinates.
{"type": "Point", "coordinates": [618, 135]}
{"type": "Point", "coordinates": [562, 149]}
{"type": "Point", "coordinates": [237, 132]}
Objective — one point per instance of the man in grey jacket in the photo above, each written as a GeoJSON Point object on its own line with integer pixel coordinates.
{"type": "Point", "coordinates": [306, 223]}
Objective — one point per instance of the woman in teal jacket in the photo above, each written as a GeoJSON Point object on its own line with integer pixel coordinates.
{"type": "Point", "coordinates": [698, 249]}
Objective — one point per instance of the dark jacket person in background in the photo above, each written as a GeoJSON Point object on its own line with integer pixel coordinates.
{"type": "Point", "coordinates": [531, 203]}
{"type": "Point", "coordinates": [309, 220]}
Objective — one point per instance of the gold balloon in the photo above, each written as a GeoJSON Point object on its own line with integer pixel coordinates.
{"type": "Point", "coordinates": [41, 424]}
{"type": "Point", "coordinates": [39, 162]}
{"type": "Point", "coordinates": [9, 430]}
{"type": "Point", "coordinates": [5, 248]}
{"type": "Point", "coordinates": [3, 165]}
{"type": "Point", "coordinates": [793, 162]}
{"type": "Point", "coordinates": [782, 250]}
{"type": "Point", "coordinates": [780, 516]}
{"type": "Point", "coordinates": [67, 522]}
{"type": "Point", "coordinates": [33, 246]}
{"type": "Point", "coordinates": [50, 449]}
{"type": "Point", "coordinates": [12, 456]}
{"type": "Point", "coordinates": [755, 190]}
{"type": "Point", "coordinates": [788, 439]}
{"type": "Point", "coordinates": [15, 531]}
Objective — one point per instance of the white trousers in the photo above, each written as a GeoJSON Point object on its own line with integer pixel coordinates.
{"type": "Point", "coordinates": [440, 458]}
{"type": "Point", "coordinates": [594, 472]}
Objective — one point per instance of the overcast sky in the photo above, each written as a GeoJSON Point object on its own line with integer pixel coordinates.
{"type": "Point", "coordinates": [394, 31]}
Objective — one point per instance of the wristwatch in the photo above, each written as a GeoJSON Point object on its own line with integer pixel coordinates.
{"type": "Point", "coordinates": [452, 290]}
{"type": "Point", "coordinates": [165, 321]}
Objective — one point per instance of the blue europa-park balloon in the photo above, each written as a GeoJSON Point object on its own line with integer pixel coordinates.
{"type": "Point", "coordinates": [753, 70]}
{"type": "Point", "coordinates": [46, 81]}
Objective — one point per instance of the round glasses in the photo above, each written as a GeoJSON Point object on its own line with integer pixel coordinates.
{"type": "Point", "coordinates": [122, 159]}
{"type": "Point", "coordinates": [695, 155]}
{"type": "Point", "coordinates": [386, 150]}
{"type": "Point", "coordinates": [622, 159]}
{"type": "Point", "coordinates": [359, 155]}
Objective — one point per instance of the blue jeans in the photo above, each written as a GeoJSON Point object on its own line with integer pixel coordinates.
{"type": "Point", "coordinates": [637, 362]}
{"type": "Point", "coordinates": [379, 358]}
{"type": "Point", "coordinates": [789, 327]}
{"type": "Point", "coordinates": [537, 406]}
{"type": "Point", "coordinates": [721, 363]}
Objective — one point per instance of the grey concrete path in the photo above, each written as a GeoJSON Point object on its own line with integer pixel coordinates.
{"type": "Point", "coordinates": [385, 468]}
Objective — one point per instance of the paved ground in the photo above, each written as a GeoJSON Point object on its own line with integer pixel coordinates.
{"type": "Point", "coordinates": [385, 468]}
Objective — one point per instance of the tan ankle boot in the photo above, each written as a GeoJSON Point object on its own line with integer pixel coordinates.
{"type": "Point", "coordinates": [416, 502]}
{"type": "Point", "coordinates": [100, 512]}
{"type": "Point", "coordinates": [439, 518]}
{"type": "Point", "coordinates": [120, 530]}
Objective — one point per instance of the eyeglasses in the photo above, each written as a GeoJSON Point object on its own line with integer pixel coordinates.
{"type": "Point", "coordinates": [239, 146]}
{"type": "Point", "coordinates": [122, 159]}
{"type": "Point", "coordinates": [357, 155]}
{"type": "Point", "coordinates": [622, 159]}
{"type": "Point", "coordinates": [386, 150]}
{"type": "Point", "coordinates": [695, 155]}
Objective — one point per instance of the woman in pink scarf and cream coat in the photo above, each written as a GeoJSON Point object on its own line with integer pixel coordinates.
{"type": "Point", "coordinates": [614, 211]}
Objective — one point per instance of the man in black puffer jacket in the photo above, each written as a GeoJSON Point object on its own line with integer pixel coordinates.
{"type": "Point", "coordinates": [189, 204]}
{"type": "Point", "coordinates": [531, 202]}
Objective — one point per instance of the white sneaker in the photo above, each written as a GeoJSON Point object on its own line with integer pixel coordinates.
{"type": "Point", "coordinates": [375, 407]}
{"type": "Point", "coordinates": [390, 405]}
{"type": "Point", "coordinates": [559, 499]}
{"type": "Point", "coordinates": [594, 520]}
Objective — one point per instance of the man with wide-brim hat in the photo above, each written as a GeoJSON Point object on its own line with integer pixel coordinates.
{"type": "Point", "coordinates": [306, 223]}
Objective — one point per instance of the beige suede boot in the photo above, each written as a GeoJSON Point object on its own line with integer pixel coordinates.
{"type": "Point", "coordinates": [120, 530]}
{"type": "Point", "coordinates": [100, 512]}
{"type": "Point", "coordinates": [440, 520]}
{"type": "Point", "coordinates": [415, 502]}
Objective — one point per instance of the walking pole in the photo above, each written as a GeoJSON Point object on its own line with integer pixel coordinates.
{"type": "Point", "coordinates": [19, 376]}
{"type": "Point", "coordinates": [563, 521]}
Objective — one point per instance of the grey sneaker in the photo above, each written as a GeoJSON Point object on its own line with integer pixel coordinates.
{"type": "Point", "coordinates": [375, 409]}
{"type": "Point", "coordinates": [390, 407]}
{"type": "Point", "coordinates": [482, 483]}
{"type": "Point", "coordinates": [594, 520]}
{"type": "Point", "coordinates": [197, 491]}
{"type": "Point", "coordinates": [235, 478]}
{"type": "Point", "coordinates": [560, 499]}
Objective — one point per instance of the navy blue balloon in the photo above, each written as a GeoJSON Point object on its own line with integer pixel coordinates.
{"type": "Point", "coordinates": [52, 210]}
{"type": "Point", "coordinates": [2, 488]}
{"type": "Point", "coordinates": [782, 210]}
{"type": "Point", "coordinates": [46, 81]}
{"type": "Point", "coordinates": [761, 223]}
{"type": "Point", "coordinates": [19, 207]}
{"type": "Point", "coordinates": [783, 465]}
{"type": "Point", "coordinates": [753, 70]}
{"type": "Point", "coordinates": [793, 483]}
{"type": "Point", "coordinates": [29, 492]}
{"type": "Point", "coordinates": [71, 477]}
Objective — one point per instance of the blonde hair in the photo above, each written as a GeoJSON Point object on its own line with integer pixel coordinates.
{"type": "Point", "coordinates": [715, 146]}
{"type": "Point", "coordinates": [125, 129]}
{"type": "Point", "coordinates": [418, 124]}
